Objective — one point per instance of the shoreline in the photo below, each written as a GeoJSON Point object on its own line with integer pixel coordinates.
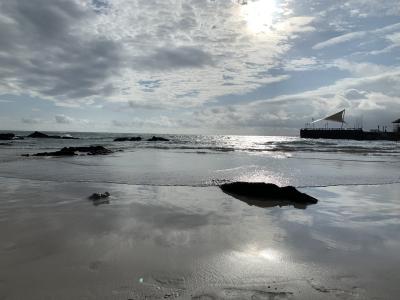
{"type": "Point", "coordinates": [180, 242]}
{"type": "Point", "coordinates": [196, 186]}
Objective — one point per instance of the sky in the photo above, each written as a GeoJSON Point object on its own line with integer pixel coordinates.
{"type": "Point", "coordinates": [262, 67]}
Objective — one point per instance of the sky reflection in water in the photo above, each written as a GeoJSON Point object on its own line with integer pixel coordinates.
{"type": "Point", "coordinates": [203, 236]}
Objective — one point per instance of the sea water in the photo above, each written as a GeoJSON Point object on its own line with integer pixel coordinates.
{"type": "Point", "coordinates": [169, 232]}
{"type": "Point", "coordinates": [206, 160]}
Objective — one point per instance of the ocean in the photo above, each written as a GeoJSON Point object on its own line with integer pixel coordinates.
{"type": "Point", "coordinates": [202, 160]}
{"type": "Point", "coordinates": [169, 232]}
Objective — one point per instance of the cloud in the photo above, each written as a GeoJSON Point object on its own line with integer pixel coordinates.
{"type": "Point", "coordinates": [154, 122]}
{"type": "Point", "coordinates": [63, 119]}
{"type": "Point", "coordinates": [363, 96]}
{"type": "Point", "coordinates": [174, 58]}
{"type": "Point", "coordinates": [31, 120]}
{"type": "Point", "coordinates": [145, 105]}
{"type": "Point", "coordinates": [362, 69]}
{"type": "Point", "coordinates": [354, 94]}
{"type": "Point", "coordinates": [74, 52]}
{"type": "Point", "coordinates": [339, 40]}
{"type": "Point", "coordinates": [178, 59]}
{"type": "Point", "coordinates": [45, 53]}
{"type": "Point", "coordinates": [301, 64]}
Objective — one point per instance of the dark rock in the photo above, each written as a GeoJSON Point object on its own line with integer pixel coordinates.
{"type": "Point", "coordinates": [6, 136]}
{"type": "Point", "coordinates": [158, 139]}
{"type": "Point", "coordinates": [97, 196]}
{"type": "Point", "coordinates": [100, 198]}
{"type": "Point", "coordinates": [71, 151]}
{"type": "Point", "coordinates": [41, 135]}
{"type": "Point", "coordinates": [121, 139]}
{"type": "Point", "coordinates": [267, 194]}
{"type": "Point", "coordinates": [125, 139]}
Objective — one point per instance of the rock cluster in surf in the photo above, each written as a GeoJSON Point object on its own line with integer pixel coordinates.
{"type": "Point", "coordinates": [41, 135]}
{"type": "Point", "coordinates": [158, 139]}
{"type": "Point", "coordinates": [126, 139]}
{"type": "Point", "coordinates": [138, 138]}
{"type": "Point", "coordinates": [6, 136]}
{"type": "Point", "coordinates": [71, 151]}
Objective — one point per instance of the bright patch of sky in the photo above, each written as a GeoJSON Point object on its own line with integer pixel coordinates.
{"type": "Point", "coordinates": [197, 66]}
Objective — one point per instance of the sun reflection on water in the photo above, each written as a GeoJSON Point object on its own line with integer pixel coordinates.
{"type": "Point", "coordinates": [255, 252]}
{"type": "Point", "coordinates": [262, 175]}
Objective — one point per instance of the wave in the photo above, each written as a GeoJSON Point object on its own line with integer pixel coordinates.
{"type": "Point", "coordinates": [217, 144]}
{"type": "Point", "coordinates": [206, 184]}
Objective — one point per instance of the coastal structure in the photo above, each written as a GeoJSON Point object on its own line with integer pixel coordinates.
{"type": "Point", "coordinates": [312, 132]}
{"type": "Point", "coordinates": [396, 126]}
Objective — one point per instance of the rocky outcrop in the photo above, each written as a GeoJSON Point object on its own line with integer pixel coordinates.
{"type": "Point", "coordinates": [128, 139]}
{"type": "Point", "coordinates": [267, 194]}
{"type": "Point", "coordinates": [71, 151]}
{"type": "Point", "coordinates": [6, 136]}
{"type": "Point", "coordinates": [158, 139]}
{"type": "Point", "coordinates": [41, 135]}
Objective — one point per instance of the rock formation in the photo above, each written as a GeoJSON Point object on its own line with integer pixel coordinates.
{"type": "Point", "coordinates": [158, 139]}
{"type": "Point", "coordinates": [41, 135]}
{"type": "Point", "coordinates": [71, 151]}
{"type": "Point", "coordinates": [126, 139]}
{"type": "Point", "coordinates": [267, 194]}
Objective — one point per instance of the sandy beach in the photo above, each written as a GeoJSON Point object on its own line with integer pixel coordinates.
{"type": "Point", "coordinates": [180, 242]}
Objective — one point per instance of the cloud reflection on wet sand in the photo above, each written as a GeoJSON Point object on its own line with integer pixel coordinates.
{"type": "Point", "coordinates": [194, 241]}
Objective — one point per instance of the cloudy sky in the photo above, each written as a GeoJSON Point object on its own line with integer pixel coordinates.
{"type": "Point", "coordinates": [197, 66]}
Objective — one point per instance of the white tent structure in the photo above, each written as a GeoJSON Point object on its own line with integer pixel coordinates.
{"type": "Point", "coordinates": [336, 117]}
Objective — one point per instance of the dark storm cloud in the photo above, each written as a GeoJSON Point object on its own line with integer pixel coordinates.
{"type": "Point", "coordinates": [45, 52]}
{"type": "Point", "coordinates": [174, 58]}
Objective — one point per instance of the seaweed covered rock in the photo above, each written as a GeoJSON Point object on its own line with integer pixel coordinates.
{"type": "Point", "coordinates": [71, 151]}
{"type": "Point", "coordinates": [128, 139]}
{"type": "Point", "coordinates": [158, 139]}
{"type": "Point", "coordinates": [267, 194]}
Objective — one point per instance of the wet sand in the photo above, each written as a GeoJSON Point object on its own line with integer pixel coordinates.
{"type": "Point", "coordinates": [154, 242]}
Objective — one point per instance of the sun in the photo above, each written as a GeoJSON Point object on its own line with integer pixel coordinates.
{"type": "Point", "coordinates": [258, 14]}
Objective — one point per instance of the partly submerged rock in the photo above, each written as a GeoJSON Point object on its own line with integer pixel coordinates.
{"type": "Point", "coordinates": [125, 139]}
{"type": "Point", "coordinates": [100, 198]}
{"type": "Point", "coordinates": [41, 135]}
{"type": "Point", "coordinates": [97, 196]}
{"type": "Point", "coordinates": [267, 194]}
{"type": "Point", "coordinates": [158, 139]}
{"type": "Point", "coordinates": [71, 151]}
{"type": "Point", "coordinates": [6, 136]}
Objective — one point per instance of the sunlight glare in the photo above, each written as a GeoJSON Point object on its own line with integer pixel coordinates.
{"type": "Point", "coordinates": [259, 14]}
{"type": "Point", "coordinates": [254, 252]}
